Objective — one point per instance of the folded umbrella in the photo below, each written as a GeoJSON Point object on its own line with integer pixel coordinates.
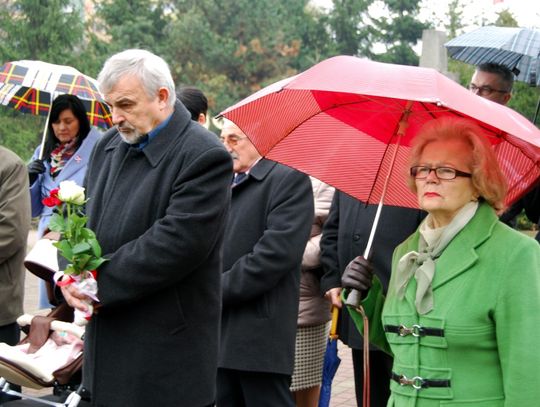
{"type": "Point", "coordinates": [331, 362]}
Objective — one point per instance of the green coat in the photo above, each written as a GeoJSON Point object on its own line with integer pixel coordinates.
{"type": "Point", "coordinates": [486, 301]}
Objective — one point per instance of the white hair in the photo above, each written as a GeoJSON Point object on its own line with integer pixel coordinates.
{"type": "Point", "coordinates": [152, 70]}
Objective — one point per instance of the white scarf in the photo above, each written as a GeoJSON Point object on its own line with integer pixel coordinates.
{"type": "Point", "coordinates": [421, 263]}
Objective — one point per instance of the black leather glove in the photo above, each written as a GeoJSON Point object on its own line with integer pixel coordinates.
{"type": "Point", "coordinates": [35, 168]}
{"type": "Point", "coordinates": [358, 275]}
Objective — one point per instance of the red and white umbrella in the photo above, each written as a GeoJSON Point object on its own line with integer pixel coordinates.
{"type": "Point", "coordinates": [342, 120]}
{"type": "Point", "coordinates": [349, 122]}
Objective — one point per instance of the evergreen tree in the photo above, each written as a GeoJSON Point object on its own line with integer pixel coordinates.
{"type": "Point", "coordinates": [350, 24]}
{"type": "Point", "coordinates": [399, 32]}
{"type": "Point", "coordinates": [47, 30]}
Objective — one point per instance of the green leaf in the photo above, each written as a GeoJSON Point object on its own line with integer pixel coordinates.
{"type": "Point", "coordinates": [95, 263]}
{"type": "Point", "coordinates": [81, 248]}
{"type": "Point", "coordinates": [64, 248]}
{"type": "Point", "coordinates": [87, 234]}
{"type": "Point", "coordinates": [96, 248]}
{"type": "Point", "coordinates": [81, 262]}
{"type": "Point", "coordinates": [71, 270]}
{"type": "Point", "coordinates": [57, 223]}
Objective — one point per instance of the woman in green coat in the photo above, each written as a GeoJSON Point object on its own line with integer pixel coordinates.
{"type": "Point", "coordinates": [461, 314]}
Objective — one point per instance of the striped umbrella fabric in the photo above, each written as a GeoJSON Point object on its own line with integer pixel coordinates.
{"type": "Point", "coordinates": [516, 48]}
{"type": "Point", "coordinates": [29, 86]}
{"type": "Point", "coordinates": [340, 121]}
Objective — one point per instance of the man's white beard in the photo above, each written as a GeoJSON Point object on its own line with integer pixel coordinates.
{"type": "Point", "coordinates": [132, 136]}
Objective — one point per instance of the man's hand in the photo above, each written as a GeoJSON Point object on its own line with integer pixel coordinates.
{"type": "Point", "coordinates": [74, 297]}
{"type": "Point", "coordinates": [333, 295]}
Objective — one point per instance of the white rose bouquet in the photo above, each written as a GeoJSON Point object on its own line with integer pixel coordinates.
{"type": "Point", "coordinates": [78, 244]}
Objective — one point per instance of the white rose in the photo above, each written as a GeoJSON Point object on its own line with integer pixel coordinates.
{"type": "Point", "coordinates": [71, 192]}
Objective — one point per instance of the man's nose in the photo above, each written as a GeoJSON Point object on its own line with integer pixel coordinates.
{"type": "Point", "coordinates": [117, 116]}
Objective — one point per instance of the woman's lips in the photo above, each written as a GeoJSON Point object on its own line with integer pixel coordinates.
{"type": "Point", "coordinates": [431, 194]}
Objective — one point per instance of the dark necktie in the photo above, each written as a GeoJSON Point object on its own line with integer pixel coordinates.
{"type": "Point", "coordinates": [238, 178]}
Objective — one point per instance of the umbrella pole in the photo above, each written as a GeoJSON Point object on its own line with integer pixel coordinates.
{"type": "Point", "coordinates": [354, 297]}
{"type": "Point", "coordinates": [44, 137]}
{"type": "Point", "coordinates": [537, 109]}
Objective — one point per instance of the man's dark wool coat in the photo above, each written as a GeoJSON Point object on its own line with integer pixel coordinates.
{"type": "Point", "coordinates": [270, 222]}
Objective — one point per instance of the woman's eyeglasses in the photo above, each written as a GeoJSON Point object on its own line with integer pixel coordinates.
{"type": "Point", "coordinates": [444, 173]}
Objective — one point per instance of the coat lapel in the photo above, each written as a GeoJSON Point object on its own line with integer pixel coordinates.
{"type": "Point", "coordinates": [461, 254]}
{"type": "Point", "coordinates": [258, 172]}
{"type": "Point", "coordinates": [160, 145]}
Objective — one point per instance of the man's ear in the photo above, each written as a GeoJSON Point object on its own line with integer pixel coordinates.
{"type": "Point", "coordinates": [202, 120]}
{"type": "Point", "coordinates": [507, 97]}
{"type": "Point", "coordinates": [163, 96]}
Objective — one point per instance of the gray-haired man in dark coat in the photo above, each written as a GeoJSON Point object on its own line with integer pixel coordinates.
{"type": "Point", "coordinates": [159, 189]}
{"type": "Point", "coordinates": [270, 222]}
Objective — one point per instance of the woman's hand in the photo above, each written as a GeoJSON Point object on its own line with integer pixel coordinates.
{"type": "Point", "coordinates": [333, 296]}
{"type": "Point", "coordinates": [358, 275]}
{"type": "Point", "coordinates": [35, 168]}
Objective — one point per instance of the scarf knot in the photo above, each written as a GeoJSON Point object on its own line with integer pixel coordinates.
{"type": "Point", "coordinates": [61, 155]}
{"type": "Point", "coordinates": [421, 264]}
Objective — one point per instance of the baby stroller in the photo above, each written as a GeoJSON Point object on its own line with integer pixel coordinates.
{"type": "Point", "coordinates": [50, 355]}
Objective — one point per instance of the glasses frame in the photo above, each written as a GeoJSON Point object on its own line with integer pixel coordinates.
{"type": "Point", "coordinates": [485, 90]}
{"type": "Point", "coordinates": [232, 140]}
{"type": "Point", "coordinates": [457, 173]}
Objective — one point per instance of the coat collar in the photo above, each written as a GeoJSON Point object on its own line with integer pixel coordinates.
{"type": "Point", "coordinates": [159, 146]}
{"type": "Point", "coordinates": [461, 253]}
{"type": "Point", "coordinates": [262, 169]}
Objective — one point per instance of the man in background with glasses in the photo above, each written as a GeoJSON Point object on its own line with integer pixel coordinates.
{"type": "Point", "coordinates": [493, 82]}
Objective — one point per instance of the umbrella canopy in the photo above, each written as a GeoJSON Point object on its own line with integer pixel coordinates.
{"type": "Point", "coordinates": [331, 362]}
{"type": "Point", "coordinates": [349, 122]}
{"type": "Point", "coordinates": [515, 48]}
{"type": "Point", "coordinates": [30, 86]}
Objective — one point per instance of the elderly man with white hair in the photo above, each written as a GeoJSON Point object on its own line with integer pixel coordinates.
{"type": "Point", "coordinates": [269, 224]}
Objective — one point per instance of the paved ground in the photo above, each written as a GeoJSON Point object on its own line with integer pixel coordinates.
{"type": "Point", "coordinates": [343, 384]}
